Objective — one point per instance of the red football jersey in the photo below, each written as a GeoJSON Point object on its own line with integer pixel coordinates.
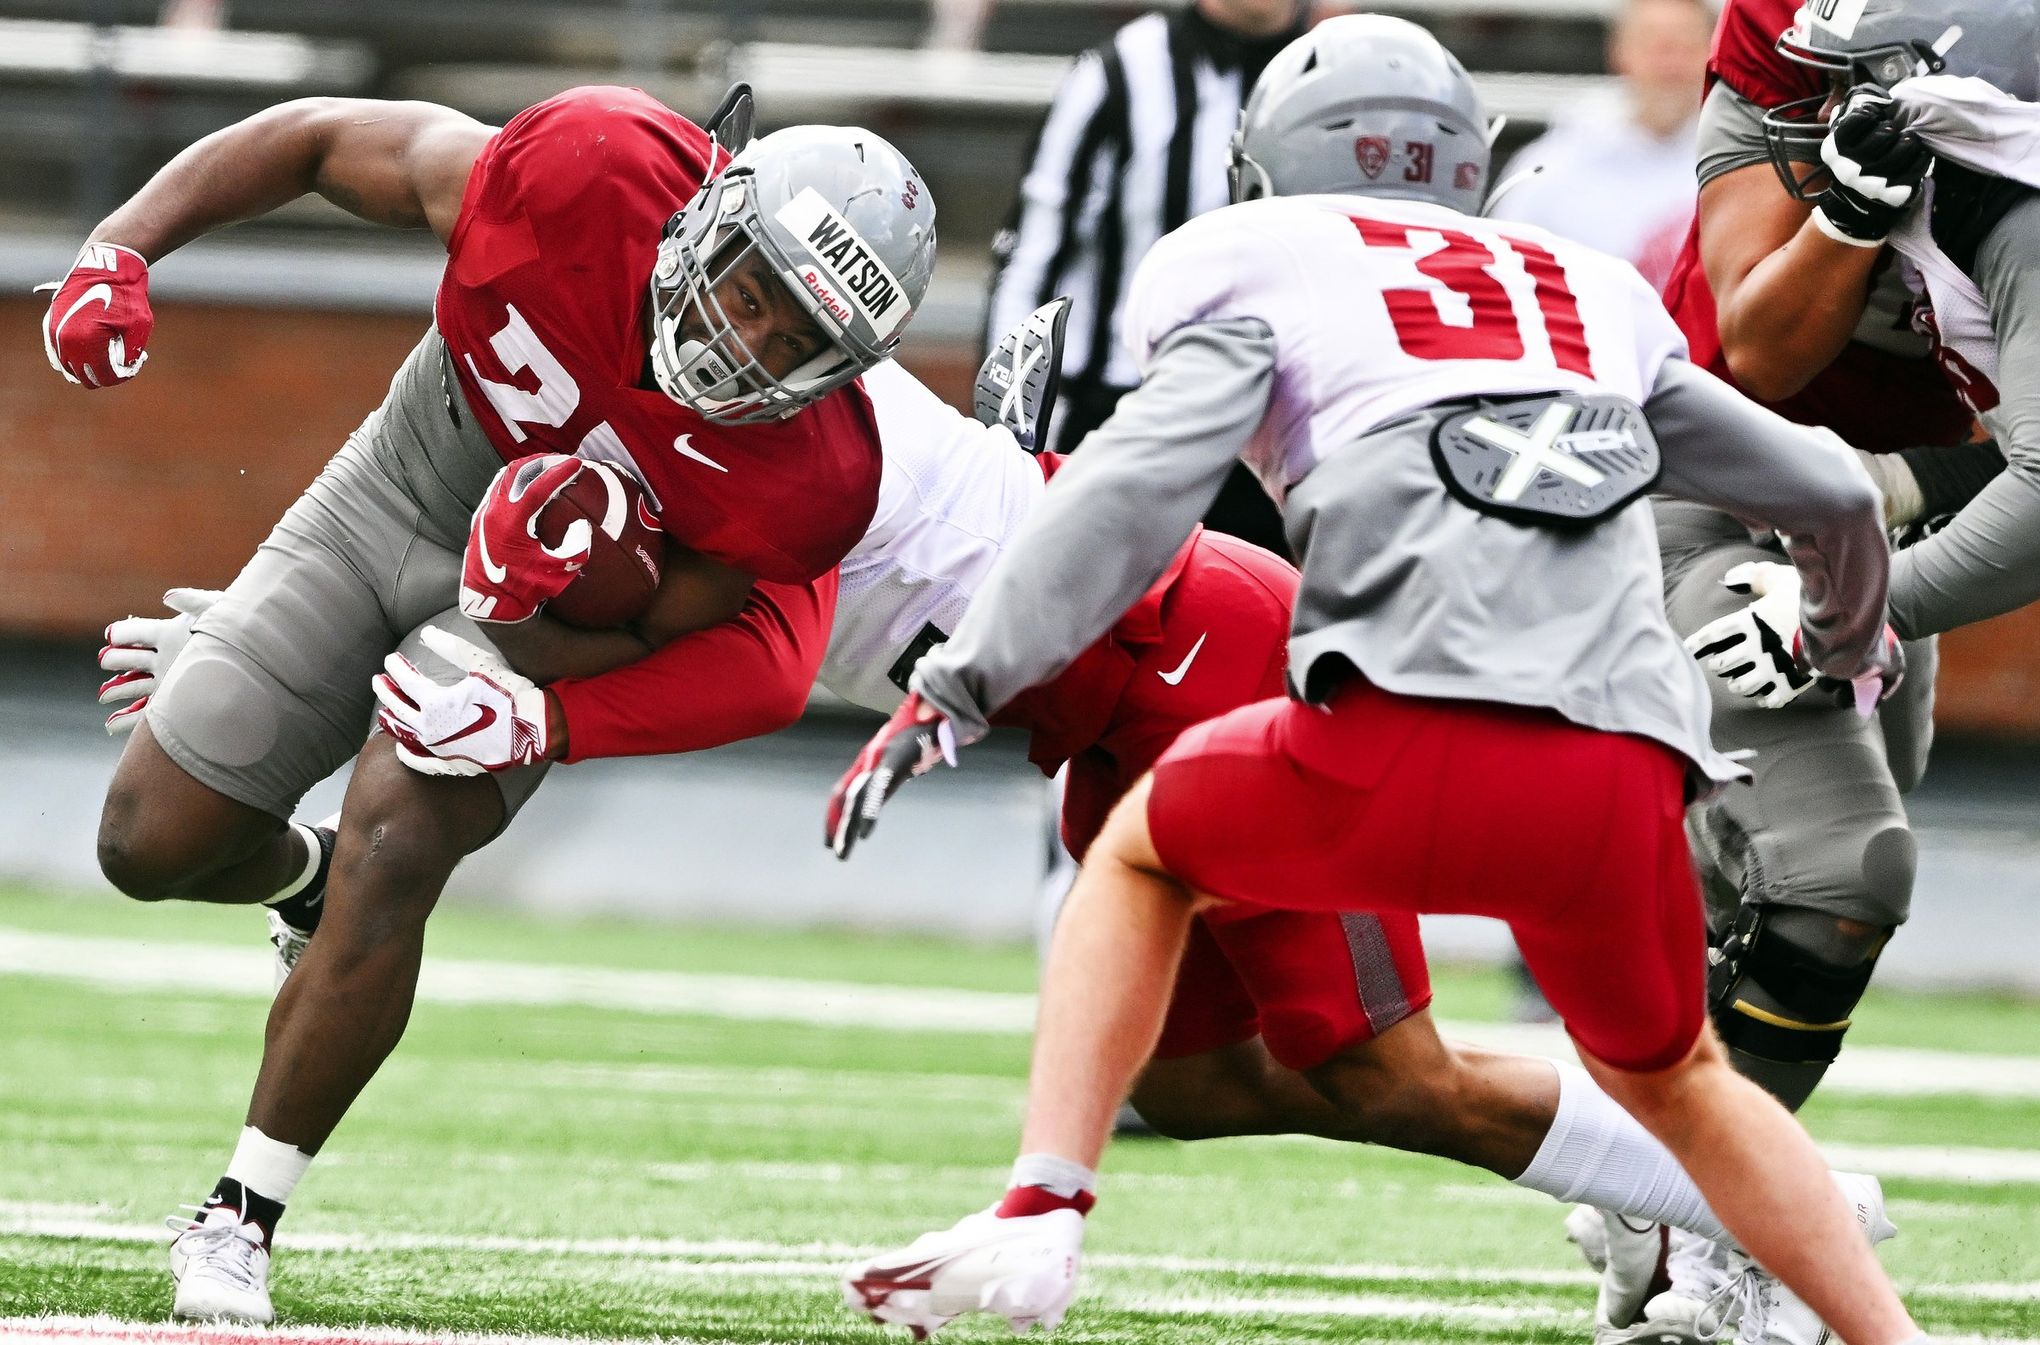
{"type": "Point", "coordinates": [1874, 399]}
{"type": "Point", "coordinates": [543, 309]}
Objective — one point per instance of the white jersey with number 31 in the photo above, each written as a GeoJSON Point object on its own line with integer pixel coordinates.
{"type": "Point", "coordinates": [1380, 308]}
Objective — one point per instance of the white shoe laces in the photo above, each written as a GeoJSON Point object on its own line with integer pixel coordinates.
{"type": "Point", "coordinates": [1743, 1301]}
{"type": "Point", "coordinates": [222, 1247]}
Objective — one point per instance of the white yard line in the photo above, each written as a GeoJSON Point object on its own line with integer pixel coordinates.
{"type": "Point", "coordinates": [111, 1331]}
{"type": "Point", "coordinates": [739, 1257]}
{"type": "Point", "coordinates": [137, 964]}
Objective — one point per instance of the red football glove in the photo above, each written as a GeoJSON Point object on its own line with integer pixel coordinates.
{"type": "Point", "coordinates": [911, 743]}
{"type": "Point", "coordinates": [99, 320]}
{"type": "Point", "coordinates": [508, 573]}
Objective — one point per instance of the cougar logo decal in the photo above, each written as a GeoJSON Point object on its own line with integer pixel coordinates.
{"type": "Point", "coordinates": [1372, 152]}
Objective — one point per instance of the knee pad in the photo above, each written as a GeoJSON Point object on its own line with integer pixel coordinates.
{"type": "Point", "coordinates": [1783, 980]}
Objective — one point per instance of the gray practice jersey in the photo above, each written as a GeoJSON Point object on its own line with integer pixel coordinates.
{"type": "Point", "coordinates": [1987, 560]}
{"type": "Point", "coordinates": [1312, 337]}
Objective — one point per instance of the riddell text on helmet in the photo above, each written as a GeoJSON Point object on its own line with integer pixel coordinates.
{"type": "Point", "coordinates": [845, 272]}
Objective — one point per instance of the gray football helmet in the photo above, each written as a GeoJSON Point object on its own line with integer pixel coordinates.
{"type": "Point", "coordinates": [1880, 42]}
{"type": "Point", "coordinates": [1368, 105]}
{"type": "Point", "coordinates": [844, 222]}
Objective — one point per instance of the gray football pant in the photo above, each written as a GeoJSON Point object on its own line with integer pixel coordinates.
{"type": "Point", "coordinates": [1822, 827]}
{"type": "Point", "coordinates": [272, 694]}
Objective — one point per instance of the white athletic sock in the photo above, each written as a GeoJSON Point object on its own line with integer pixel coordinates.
{"type": "Point", "coordinates": [1596, 1154]}
{"type": "Point", "coordinates": [311, 869]}
{"type": "Point", "coordinates": [1057, 1176]}
{"type": "Point", "coordinates": [267, 1167]}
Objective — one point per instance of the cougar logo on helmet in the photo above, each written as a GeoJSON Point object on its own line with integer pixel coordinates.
{"type": "Point", "coordinates": [1327, 113]}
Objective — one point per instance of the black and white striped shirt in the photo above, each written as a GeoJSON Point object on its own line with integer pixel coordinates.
{"type": "Point", "coordinates": [1133, 145]}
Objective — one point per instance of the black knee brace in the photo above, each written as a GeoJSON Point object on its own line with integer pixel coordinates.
{"type": "Point", "coordinates": [1783, 980]}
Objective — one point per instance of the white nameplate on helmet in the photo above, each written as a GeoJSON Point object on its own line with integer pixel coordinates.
{"type": "Point", "coordinates": [1839, 17]}
{"type": "Point", "coordinates": [845, 275]}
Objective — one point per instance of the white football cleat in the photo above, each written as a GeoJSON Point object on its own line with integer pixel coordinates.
{"type": "Point", "coordinates": [1631, 1257]}
{"type": "Point", "coordinates": [1781, 1317]}
{"type": "Point", "coordinates": [1717, 1290]}
{"type": "Point", "coordinates": [1023, 1269]}
{"type": "Point", "coordinates": [1708, 1290]}
{"type": "Point", "coordinates": [221, 1267]}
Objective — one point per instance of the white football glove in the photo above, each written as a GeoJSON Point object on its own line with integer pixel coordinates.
{"type": "Point", "coordinates": [1755, 649]}
{"type": "Point", "coordinates": [140, 649]}
{"type": "Point", "coordinates": [1023, 1269]}
{"type": "Point", "coordinates": [1756, 652]}
{"type": "Point", "coordinates": [492, 719]}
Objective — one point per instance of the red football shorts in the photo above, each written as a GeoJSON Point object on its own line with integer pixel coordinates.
{"type": "Point", "coordinates": [1386, 803]}
{"type": "Point", "coordinates": [1309, 983]}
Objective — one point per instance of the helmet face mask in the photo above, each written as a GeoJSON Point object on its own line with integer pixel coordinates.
{"type": "Point", "coordinates": [698, 355]}
{"type": "Point", "coordinates": [1882, 43]}
{"type": "Point", "coordinates": [843, 228]}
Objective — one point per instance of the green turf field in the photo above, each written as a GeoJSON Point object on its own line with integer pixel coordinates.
{"type": "Point", "coordinates": [538, 1160]}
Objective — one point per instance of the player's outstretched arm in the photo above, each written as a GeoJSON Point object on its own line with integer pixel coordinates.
{"type": "Point", "coordinates": [1987, 560]}
{"type": "Point", "coordinates": [1110, 522]}
{"type": "Point", "coordinates": [1722, 449]}
{"type": "Point", "coordinates": [404, 164]}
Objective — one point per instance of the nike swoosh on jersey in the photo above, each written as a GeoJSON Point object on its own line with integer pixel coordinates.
{"type": "Point", "coordinates": [687, 450]}
{"type": "Point", "coordinates": [1182, 669]}
{"type": "Point", "coordinates": [485, 715]}
{"type": "Point", "coordinates": [495, 572]}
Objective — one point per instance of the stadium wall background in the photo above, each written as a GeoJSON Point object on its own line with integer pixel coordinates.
{"type": "Point", "coordinates": [113, 497]}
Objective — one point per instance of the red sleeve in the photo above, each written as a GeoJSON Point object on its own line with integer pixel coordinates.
{"type": "Point", "coordinates": [746, 677]}
{"type": "Point", "coordinates": [1745, 54]}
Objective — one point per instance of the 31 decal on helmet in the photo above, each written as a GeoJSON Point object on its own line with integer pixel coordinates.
{"type": "Point", "coordinates": [843, 222]}
{"type": "Point", "coordinates": [1368, 105]}
{"type": "Point", "coordinates": [1883, 42]}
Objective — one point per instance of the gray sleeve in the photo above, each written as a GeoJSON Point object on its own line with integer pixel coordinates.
{"type": "Point", "coordinates": [1110, 522]}
{"type": "Point", "coordinates": [1731, 133]}
{"type": "Point", "coordinates": [1722, 449]}
{"type": "Point", "coordinates": [1987, 560]}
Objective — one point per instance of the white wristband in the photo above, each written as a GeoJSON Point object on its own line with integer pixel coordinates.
{"type": "Point", "coordinates": [1828, 227]}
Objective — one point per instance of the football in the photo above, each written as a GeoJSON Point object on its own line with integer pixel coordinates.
{"type": "Point", "coordinates": [626, 552]}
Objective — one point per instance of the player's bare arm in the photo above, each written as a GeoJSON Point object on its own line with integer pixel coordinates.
{"type": "Point", "coordinates": [1786, 295]}
{"type": "Point", "coordinates": [401, 164]}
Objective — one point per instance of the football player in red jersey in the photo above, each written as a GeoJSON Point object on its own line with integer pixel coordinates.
{"type": "Point", "coordinates": [618, 287]}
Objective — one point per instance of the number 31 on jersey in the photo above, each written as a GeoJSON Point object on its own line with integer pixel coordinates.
{"type": "Point", "coordinates": [1463, 265]}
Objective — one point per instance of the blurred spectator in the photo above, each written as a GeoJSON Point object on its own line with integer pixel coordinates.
{"type": "Point", "coordinates": [1618, 173]}
{"type": "Point", "coordinates": [957, 25]}
{"type": "Point", "coordinates": [199, 15]}
{"type": "Point", "coordinates": [1133, 145]}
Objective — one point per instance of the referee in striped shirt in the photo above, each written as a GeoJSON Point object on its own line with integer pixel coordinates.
{"type": "Point", "coordinates": [1134, 144]}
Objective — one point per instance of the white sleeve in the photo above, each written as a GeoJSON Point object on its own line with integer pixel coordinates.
{"type": "Point", "coordinates": [1214, 269]}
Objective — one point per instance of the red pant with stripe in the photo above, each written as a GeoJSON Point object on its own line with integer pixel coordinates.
{"type": "Point", "coordinates": [1212, 637]}
{"type": "Point", "coordinates": [1389, 803]}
